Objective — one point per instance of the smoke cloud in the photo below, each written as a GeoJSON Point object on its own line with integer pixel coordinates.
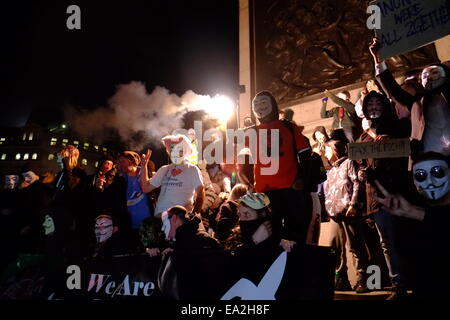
{"type": "Point", "coordinates": [138, 117]}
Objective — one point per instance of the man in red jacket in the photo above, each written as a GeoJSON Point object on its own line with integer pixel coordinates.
{"type": "Point", "coordinates": [286, 187]}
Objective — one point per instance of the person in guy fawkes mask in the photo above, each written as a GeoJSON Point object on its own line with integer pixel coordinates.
{"type": "Point", "coordinates": [287, 187]}
{"type": "Point", "coordinates": [109, 239]}
{"type": "Point", "coordinates": [181, 182]}
{"type": "Point", "coordinates": [391, 172]}
{"type": "Point", "coordinates": [11, 181]}
{"type": "Point", "coordinates": [431, 176]}
{"type": "Point", "coordinates": [430, 110]}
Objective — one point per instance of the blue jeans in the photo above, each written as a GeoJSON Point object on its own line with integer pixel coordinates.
{"type": "Point", "coordinates": [383, 222]}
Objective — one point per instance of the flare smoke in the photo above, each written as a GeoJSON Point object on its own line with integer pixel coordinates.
{"type": "Point", "coordinates": [138, 117]}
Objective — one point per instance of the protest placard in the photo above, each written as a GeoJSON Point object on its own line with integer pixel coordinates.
{"type": "Point", "coordinates": [391, 148]}
{"type": "Point", "coordinates": [409, 24]}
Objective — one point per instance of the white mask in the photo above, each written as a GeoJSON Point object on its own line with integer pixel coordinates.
{"type": "Point", "coordinates": [11, 181]}
{"type": "Point", "coordinates": [374, 108]}
{"type": "Point", "coordinates": [30, 177]}
{"type": "Point", "coordinates": [49, 225]}
{"type": "Point", "coordinates": [103, 229]}
{"type": "Point", "coordinates": [262, 106]}
{"type": "Point", "coordinates": [166, 223]}
{"type": "Point", "coordinates": [431, 178]}
{"type": "Point", "coordinates": [433, 77]}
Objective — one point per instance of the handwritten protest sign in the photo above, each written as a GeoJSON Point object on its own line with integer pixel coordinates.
{"type": "Point", "coordinates": [392, 148]}
{"type": "Point", "coordinates": [409, 24]}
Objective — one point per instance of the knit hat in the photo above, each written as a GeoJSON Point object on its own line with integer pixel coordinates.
{"type": "Point", "coordinates": [255, 200]}
{"type": "Point", "coordinates": [30, 166]}
{"type": "Point", "coordinates": [105, 158]}
{"type": "Point", "coordinates": [132, 156]}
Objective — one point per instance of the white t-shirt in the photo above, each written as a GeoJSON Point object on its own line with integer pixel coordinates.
{"type": "Point", "coordinates": [178, 184]}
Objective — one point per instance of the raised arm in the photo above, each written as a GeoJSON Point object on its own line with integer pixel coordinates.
{"type": "Point", "coordinates": [347, 105]}
{"type": "Point", "coordinates": [386, 79]}
{"type": "Point", "coordinates": [144, 180]}
{"type": "Point", "coordinates": [323, 112]}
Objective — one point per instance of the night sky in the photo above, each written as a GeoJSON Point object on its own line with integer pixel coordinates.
{"type": "Point", "coordinates": [179, 45]}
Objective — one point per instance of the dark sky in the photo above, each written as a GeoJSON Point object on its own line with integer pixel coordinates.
{"type": "Point", "coordinates": [176, 44]}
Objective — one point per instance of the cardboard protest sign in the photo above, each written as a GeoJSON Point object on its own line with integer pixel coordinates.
{"type": "Point", "coordinates": [409, 24]}
{"type": "Point", "coordinates": [392, 148]}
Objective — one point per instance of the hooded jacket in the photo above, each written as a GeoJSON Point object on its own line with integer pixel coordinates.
{"type": "Point", "coordinates": [415, 103]}
{"type": "Point", "coordinates": [199, 261]}
{"type": "Point", "coordinates": [392, 173]}
{"type": "Point", "coordinates": [190, 237]}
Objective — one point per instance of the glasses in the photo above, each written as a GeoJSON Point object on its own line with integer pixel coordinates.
{"type": "Point", "coordinates": [421, 175]}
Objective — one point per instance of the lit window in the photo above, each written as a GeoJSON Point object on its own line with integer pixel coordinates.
{"type": "Point", "coordinates": [104, 149]}
{"type": "Point", "coordinates": [30, 137]}
{"type": "Point", "coordinates": [24, 136]}
{"type": "Point", "coordinates": [26, 156]}
{"type": "Point", "coordinates": [96, 148]}
{"type": "Point", "coordinates": [75, 143]}
{"type": "Point", "coordinates": [64, 142]}
{"type": "Point", "coordinates": [84, 162]}
{"type": "Point", "coordinates": [4, 156]}
{"type": "Point", "coordinates": [2, 140]}
{"type": "Point", "coordinates": [34, 156]}
{"type": "Point", "coordinates": [51, 156]}
{"type": "Point", "coordinates": [18, 156]}
{"type": "Point", "coordinates": [96, 164]}
{"type": "Point", "coordinates": [53, 142]}
{"type": "Point", "coordinates": [86, 145]}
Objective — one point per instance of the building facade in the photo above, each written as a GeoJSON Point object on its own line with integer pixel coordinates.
{"type": "Point", "coordinates": [38, 144]}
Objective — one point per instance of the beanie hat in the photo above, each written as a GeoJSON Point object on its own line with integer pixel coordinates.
{"type": "Point", "coordinates": [132, 156]}
{"type": "Point", "coordinates": [30, 166]}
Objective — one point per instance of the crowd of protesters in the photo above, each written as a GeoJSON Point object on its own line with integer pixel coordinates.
{"type": "Point", "coordinates": [189, 205]}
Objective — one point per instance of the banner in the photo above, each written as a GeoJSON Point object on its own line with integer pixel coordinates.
{"type": "Point", "coordinates": [306, 273]}
{"type": "Point", "coordinates": [409, 24]}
